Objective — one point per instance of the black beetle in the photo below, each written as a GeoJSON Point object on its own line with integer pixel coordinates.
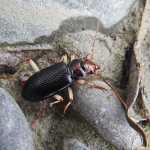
{"type": "Point", "coordinates": [49, 81]}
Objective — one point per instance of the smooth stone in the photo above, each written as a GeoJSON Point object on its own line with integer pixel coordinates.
{"type": "Point", "coordinates": [93, 104]}
{"type": "Point", "coordinates": [15, 133]}
{"type": "Point", "coordinates": [106, 114]}
{"type": "Point", "coordinates": [26, 20]}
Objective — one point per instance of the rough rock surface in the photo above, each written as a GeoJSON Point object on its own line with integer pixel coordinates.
{"type": "Point", "coordinates": [76, 35]}
{"type": "Point", "coordinates": [142, 50]}
{"type": "Point", "coordinates": [27, 20]}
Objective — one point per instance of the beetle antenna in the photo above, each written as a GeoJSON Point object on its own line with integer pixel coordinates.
{"type": "Point", "coordinates": [99, 63]}
{"type": "Point", "coordinates": [94, 41]}
{"type": "Point", "coordinates": [135, 126]}
{"type": "Point", "coordinates": [86, 56]}
{"type": "Point", "coordinates": [112, 89]}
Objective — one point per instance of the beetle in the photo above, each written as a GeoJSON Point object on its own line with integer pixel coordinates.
{"type": "Point", "coordinates": [51, 80]}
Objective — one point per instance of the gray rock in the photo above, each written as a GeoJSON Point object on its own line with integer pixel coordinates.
{"type": "Point", "coordinates": [14, 130]}
{"type": "Point", "coordinates": [26, 20]}
{"type": "Point", "coordinates": [73, 144]}
{"type": "Point", "coordinates": [75, 34]}
{"type": "Point", "coordinates": [105, 114]}
{"type": "Point", "coordinates": [142, 50]}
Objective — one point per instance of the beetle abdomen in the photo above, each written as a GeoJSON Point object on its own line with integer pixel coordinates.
{"type": "Point", "coordinates": [47, 82]}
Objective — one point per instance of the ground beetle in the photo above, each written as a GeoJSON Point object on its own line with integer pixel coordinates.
{"type": "Point", "coordinates": [49, 81]}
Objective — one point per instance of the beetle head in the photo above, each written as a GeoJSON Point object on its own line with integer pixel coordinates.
{"type": "Point", "coordinates": [90, 67]}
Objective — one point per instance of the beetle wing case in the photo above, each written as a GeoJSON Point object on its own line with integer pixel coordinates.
{"type": "Point", "coordinates": [47, 82]}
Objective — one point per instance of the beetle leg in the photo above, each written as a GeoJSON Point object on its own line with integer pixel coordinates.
{"type": "Point", "coordinates": [92, 84]}
{"type": "Point", "coordinates": [38, 116]}
{"type": "Point", "coordinates": [58, 97]}
{"type": "Point", "coordinates": [22, 81]}
{"type": "Point", "coordinates": [71, 99]}
{"type": "Point", "coordinates": [65, 58]}
{"type": "Point", "coordinates": [101, 70]}
{"type": "Point", "coordinates": [52, 59]}
{"type": "Point", "coordinates": [13, 76]}
{"type": "Point", "coordinates": [34, 66]}
{"type": "Point", "coordinates": [72, 56]}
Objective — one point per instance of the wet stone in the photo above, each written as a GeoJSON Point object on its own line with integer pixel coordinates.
{"type": "Point", "coordinates": [14, 130]}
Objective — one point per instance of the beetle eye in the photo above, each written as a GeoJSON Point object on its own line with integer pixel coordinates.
{"type": "Point", "coordinates": [92, 72]}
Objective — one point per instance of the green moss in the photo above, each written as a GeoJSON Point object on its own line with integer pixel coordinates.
{"type": "Point", "coordinates": [112, 147]}
{"type": "Point", "coordinates": [20, 43]}
{"type": "Point", "coordinates": [84, 134]}
{"type": "Point", "coordinates": [40, 133]}
{"type": "Point", "coordinates": [4, 44]}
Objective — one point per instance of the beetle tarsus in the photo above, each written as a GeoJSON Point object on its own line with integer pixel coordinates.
{"type": "Point", "coordinates": [92, 84]}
